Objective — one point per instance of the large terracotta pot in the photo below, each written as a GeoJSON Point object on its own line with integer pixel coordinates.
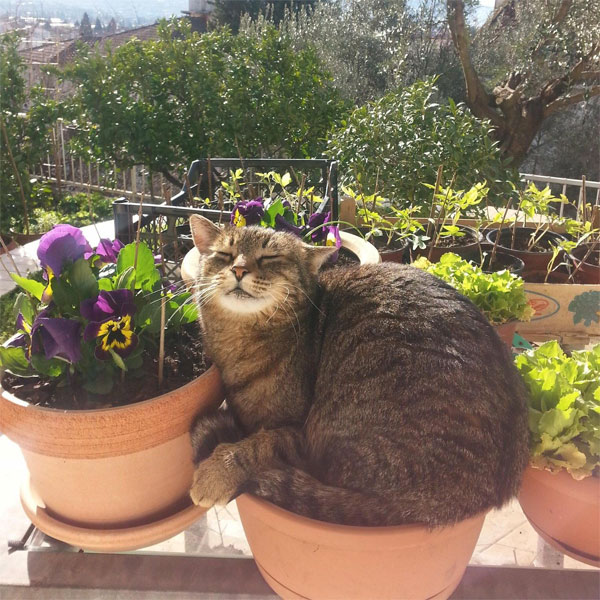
{"type": "Point", "coordinates": [111, 479]}
{"type": "Point", "coordinates": [564, 511]}
{"type": "Point", "coordinates": [305, 558]}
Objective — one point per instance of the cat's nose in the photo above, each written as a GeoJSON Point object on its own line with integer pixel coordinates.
{"type": "Point", "coordinates": [239, 272]}
{"type": "Point", "coordinates": [239, 267]}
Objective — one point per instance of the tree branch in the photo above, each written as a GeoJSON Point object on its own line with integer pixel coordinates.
{"type": "Point", "coordinates": [559, 16]}
{"type": "Point", "coordinates": [477, 98]}
{"type": "Point", "coordinates": [565, 101]}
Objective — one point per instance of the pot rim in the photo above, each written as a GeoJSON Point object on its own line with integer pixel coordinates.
{"type": "Point", "coordinates": [493, 233]}
{"type": "Point", "coordinates": [112, 409]}
{"type": "Point", "coordinates": [563, 480]}
{"type": "Point", "coordinates": [312, 529]}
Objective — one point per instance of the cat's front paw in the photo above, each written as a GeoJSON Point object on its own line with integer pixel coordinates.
{"type": "Point", "coordinates": [217, 479]}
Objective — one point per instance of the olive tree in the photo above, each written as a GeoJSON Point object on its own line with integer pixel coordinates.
{"type": "Point", "coordinates": [531, 60]}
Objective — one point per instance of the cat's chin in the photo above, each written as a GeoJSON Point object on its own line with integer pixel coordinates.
{"type": "Point", "coordinates": [244, 304]}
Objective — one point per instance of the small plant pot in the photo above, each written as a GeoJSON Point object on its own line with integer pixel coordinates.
{"type": "Point", "coordinates": [465, 245]}
{"type": "Point", "coordinates": [502, 261]}
{"type": "Point", "coordinates": [507, 331]}
{"type": "Point", "coordinates": [589, 271]}
{"type": "Point", "coordinates": [564, 511]}
{"type": "Point", "coordinates": [393, 254]}
{"type": "Point", "coordinates": [9, 242]}
{"type": "Point", "coordinates": [306, 558]}
{"type": "Point", "coordinates": [111, 479]}
{"type": "Point", "coordinates": [557, 276]}
{"type": "Point", "coordinates": [25, 238]}
{"type": "Point", "coordinates": [533, 261]}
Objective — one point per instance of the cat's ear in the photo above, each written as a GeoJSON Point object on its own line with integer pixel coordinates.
{"type": "Point", "coordinates": [317, 255]}
{"type": "Point", "coordinates": [204, 232]}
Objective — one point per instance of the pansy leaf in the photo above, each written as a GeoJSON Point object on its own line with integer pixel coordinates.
{"type": "Point", "coordinates": [103, 384]}
{"type": "Point", "coordinates": [146, 274]}
{"type": "Point", "coordinates": [63, 294]}
{"type": "Point", "coordinates": [13, 359]}
{"type": "Point", "coordinates": [51, 367]}
{"type": "Point", "coordinates": [275, 209]}
{"type": "Point", "coordinates": [35, 288]}
{"type": "Point", "coordinates": [105, 285]}
{"type": "Point", "coordinates": [117, 360]}
{"type": "Point", "coordinates": [24, 306]}
{"type": "Point", "coordinates": [83, 280]}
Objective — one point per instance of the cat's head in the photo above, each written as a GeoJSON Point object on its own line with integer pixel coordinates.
{"type": "Point", "coordinates": [253, 270]}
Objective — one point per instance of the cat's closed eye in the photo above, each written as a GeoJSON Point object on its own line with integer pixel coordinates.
{"type": "Point", "coordinates": [268, 258]}
{"type": "Point", "coordinates": [223, 255]}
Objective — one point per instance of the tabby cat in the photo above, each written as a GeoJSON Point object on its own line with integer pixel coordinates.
{"type": "Point", "coordinates": [363, 395]}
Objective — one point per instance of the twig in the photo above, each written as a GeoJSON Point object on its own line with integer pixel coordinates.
{"type": "Point", "coordinates": [590, 250]}
{"type": "Point", "coordinates": [10, 256]}
{"type": "Point", "coordinates": [436, 189]}
{"type": "Point", "coordinates": [163, 305]}
{"type": "Point", "coordinates": [493, 255]}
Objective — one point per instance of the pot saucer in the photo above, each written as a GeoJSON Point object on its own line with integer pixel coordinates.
{"type": "Point", "coordinates": [107, 540]}
{"type": "Point", "coordinates": [567, 550]}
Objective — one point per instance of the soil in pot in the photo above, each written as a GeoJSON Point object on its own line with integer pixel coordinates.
{"type": "Point", "coordinates": [557, 276]}
{"type": "Point", "coordinates": [536, 257]}
{"type": "Point", "coordinates": [588, 256]}
{"type": "Point", "coordinates": [184, 361]}
{"type": "Point", "coordinates": [464, 245]}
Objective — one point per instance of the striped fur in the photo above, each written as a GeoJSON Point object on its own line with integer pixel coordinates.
{"type": "Point", "coordinates": [369, 395]}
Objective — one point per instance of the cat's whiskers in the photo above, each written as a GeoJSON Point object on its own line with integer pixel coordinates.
{"type": "Point", "coordinates": [303, 292]}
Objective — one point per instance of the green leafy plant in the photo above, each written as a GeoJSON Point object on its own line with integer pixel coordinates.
{"type": "Point", "coordinates": [500, 296]}
{"type": "Point", "coordinates": [384, 224]}
{"type": "Point", "coordinates": [95, 315]}
{"type": "Point", "coordinates": [564, 408]}
{"type": "Point", "coordinates": [397, 143]}
{"type": "Point", "coordinates": [166, 102]}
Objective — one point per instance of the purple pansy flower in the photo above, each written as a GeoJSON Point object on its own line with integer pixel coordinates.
{"type": "Point", "coordinates": [61, 245]}
{"type": "Point", "coordinates": [56, 337]}
{"type": "Point", "coordinates": [110, 317]}
{"type": "Point", "coordinates": [107, 250]}
{"type": "Point", "coordinates": [248, 212]}
{"type": "Point", "coordinates": [316, 219]}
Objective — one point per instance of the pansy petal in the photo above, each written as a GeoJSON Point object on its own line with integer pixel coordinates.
{"type": "Point", "coordinates": [91, 331]}
{"type": "Point", "coordinates": [125, 352]}
{"type": "Point", "coordinates": [60, 337]}
{"type": "Point", "coordinates": [62, 245]}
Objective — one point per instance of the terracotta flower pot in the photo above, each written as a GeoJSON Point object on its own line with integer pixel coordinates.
{"type": "Point", "coordinates": [502, 261]}
{"type": "Point", "coordinates": [564, 511]}
{"type": "Point", "coordinates": [111, 479]}
{"type": "Point", "coordinates": [507, 331]}
{"type": "Point", "coordinates": [589, 271]}
{"type": "Point", "coordinates": [466, 246]}
{"type": "Point", "coordinates": [305, 558]}
{"type": "Point", "coordinates": [393, 255]}
{"type": "Point", "coordinates": [534, 261]}
{"type": "Point", "coordinates": [9, 242]}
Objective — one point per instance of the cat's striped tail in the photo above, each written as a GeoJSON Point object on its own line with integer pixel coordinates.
{"type": "Point", "coordinates": [297, 491]}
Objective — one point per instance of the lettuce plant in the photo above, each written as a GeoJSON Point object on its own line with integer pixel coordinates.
{"type": "Point", "coordinates": [96, 313]}
{"type": "Point", "coordinates": [500, 296]}
{"type": "Point", "coordinates": [564, 408]}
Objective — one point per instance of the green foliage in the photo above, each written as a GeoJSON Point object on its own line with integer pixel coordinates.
{"type": "Point", "coordinates": [27, 133]}
{"type": "Point", "coordinates": [93, 319]}
{"type": "Point", "coordinates": [230, 12]}
{"type": "Point", "coordinates": [374, 46]}
{"type": "Point", "coordinates": [395, 145]}
{"type": "Point", "coordinates": [564, 407]}
{"type": "Point", "coordinates": [164, 103]}
{"type": "Point", "coordinates": [500, 296]}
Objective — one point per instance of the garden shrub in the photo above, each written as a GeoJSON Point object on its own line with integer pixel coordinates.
{"type": "Point", "coordinates": [166, 102]}
{"type": "Point", "coordinates": [397, 143]}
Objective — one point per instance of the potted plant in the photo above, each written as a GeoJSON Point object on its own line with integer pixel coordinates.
{"type": "Point", "coordinates": [499, 295]}
{"type": "Point", "coordinates": [99, 391]}
{"type": "Point", "coordinates": [535, 244]}
{"type": "Point", "coordinates": [560, 494]}
{"type": "Point", "coordinates": [443, 230]}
